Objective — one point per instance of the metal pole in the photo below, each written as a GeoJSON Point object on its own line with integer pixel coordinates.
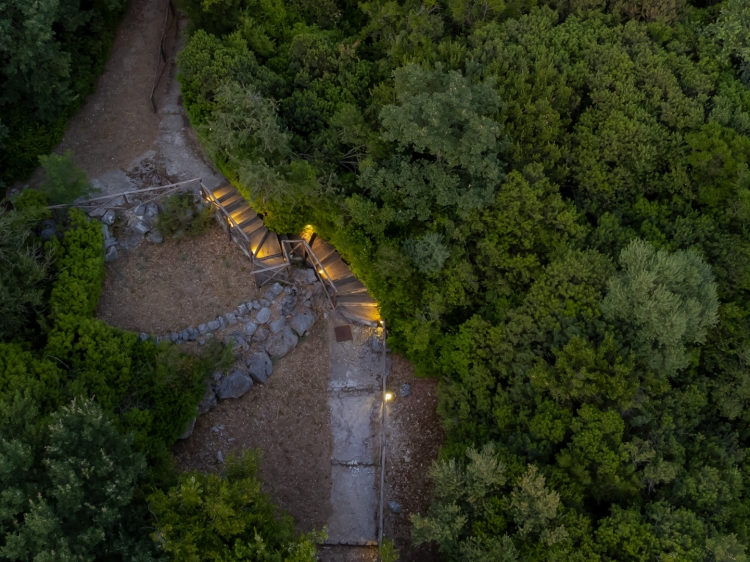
{"type": "Point", "coordinates": [383, 421]}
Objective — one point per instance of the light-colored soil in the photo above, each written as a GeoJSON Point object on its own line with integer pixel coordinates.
{"type": "Point", "coordinates": [414, 438]}
{"type": "Point", "coordinates": [287, 418]}
{"type": "Point", "coordinates": [159, 288]}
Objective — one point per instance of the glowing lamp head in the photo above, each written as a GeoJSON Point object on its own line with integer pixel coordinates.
{"type": "Point", "coordinates": [388, 396]}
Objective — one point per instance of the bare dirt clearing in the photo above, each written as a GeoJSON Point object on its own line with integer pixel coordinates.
{"type": "Point", "coordinates": [287, 418]}
{"type": "Point", "coordinates": [159, 288]}
{"type": "Point", "coordinates": [415, 435]}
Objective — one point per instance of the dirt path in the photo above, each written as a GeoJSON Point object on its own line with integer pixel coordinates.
{"type": "Point", "coordinates": [116, 137]}
{"type": "Point", "coordinates": [123, 145]}
{"type": "Point", "coordinates": [287, 419]}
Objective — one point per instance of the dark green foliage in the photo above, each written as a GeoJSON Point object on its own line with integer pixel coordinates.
{"type": "Point", "coordinates": [52, 53]}
{"type": "Point", "coordinates": [64, 180]}
{"type": "Point", "coordinates": [227, 517]}
{"type": "Point", "coordinates": [180, 217]}
{"type": "Point", "coordinates": [68, 485]}
{"type": "Point", "coordinates": [550, 202]}
{"type": "Point", "coordinates": [25, 272]}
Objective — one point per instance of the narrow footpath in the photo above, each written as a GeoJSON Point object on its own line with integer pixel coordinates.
{"type": "Point", "coordinates": [354, 400]}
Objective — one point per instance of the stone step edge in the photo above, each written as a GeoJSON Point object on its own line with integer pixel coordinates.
{"type": "Point", "coordinates": [330, 542]}
{"type": "Point", "coordinates": [352, 464]}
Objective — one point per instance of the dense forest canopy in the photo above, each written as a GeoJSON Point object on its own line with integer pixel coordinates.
{"type": "Point", "coordinates": [550, 201]}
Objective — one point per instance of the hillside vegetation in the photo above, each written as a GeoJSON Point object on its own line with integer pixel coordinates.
{"type": "Point", "coordinates": [550, 201]}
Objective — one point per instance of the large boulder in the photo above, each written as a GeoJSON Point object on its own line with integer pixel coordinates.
{"type": "Point", "coordinates": [282, 343]}
{"type": "Point", "coordinates": [263, 316]}
{"type": "Point", "coordinates": [277, 325]}
{"type": "Point", "coordinates": [288, 304]}
{"type": "Point", "coordinates": [189, 429]}
{"type": "Point", "coordinates": [208, 401]}
{"type": "Point", "coordinates": [276, 289]}
{"type": "Point", "coordinates": [260, 367]}
{"type": "Point", "coordinates": [234, 385]}
{"type": "Point", "coordinates": [303, 323]}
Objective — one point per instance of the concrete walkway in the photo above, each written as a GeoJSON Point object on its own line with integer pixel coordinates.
{"type": "Point", "coordinates": [354, 401]}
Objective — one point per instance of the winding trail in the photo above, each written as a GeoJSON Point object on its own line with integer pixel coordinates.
{"type": "Point", "coordinates": [123, 145]}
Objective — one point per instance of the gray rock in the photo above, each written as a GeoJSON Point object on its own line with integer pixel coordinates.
{"type": "Point", "coordinates": [109, 242]}
{"type": "Point", "coordinates": [202, 328]}
{"type": "Point", "coordinates": [263, 316]}
{"type": "Point", "coordinates": [260, 367]}
{"type": "Point", "coordinates": [230, 318]}
{"type": "Point", "coordinates": [278, 325]}
{"type": "Point", "coordinates": [189, 429]}
{"type": "Point", "coordinates": [376, 343]}
{"type": "Point", "coordinates": [219, 457]}
{"type": "Point", "coordinates": [111, 254]}
{"type": "Point", "coordinates": [236, 340]}
{"type": "Point", "coordinates": [288, 304]}
{"type": "Point", "coordinates": [142, 226]}
{"type": "Point", "coordinates": [155, 236]}
{"type": "Point", "coordinates": [276, 289]}
{"type": "Point", "coordinates": [143, 336]}
{"type": "Point", "coordinates": [97, 213]}
{"type": "Point", "coordinates": [214, 325]}
{"type": "Point", "coordinates": [269, 296]}
{"type": "Point", "coordinates": [151, 211]}
{"type": "Point", "coordinates": [222, 322]}
{"type": "Point", "coordinates": [139, 210]}
{"type": "Point", "coordinates": [48, 233]}
{"type": "Point", "coordinates": [201, 342]}
{"type": "Point", "coordinates": [184, 335]}
{"type": "Point", "coordinates": [282, 343]}
{"type": "Point", "coordinates": [174, 336]}
{"type": "Point", "coordinates": [242, 310]}
{"type": "Point", "coordinates": [118, 201]}
{"type": "Point", "coordinates": [404, 390]}
{"type": "Point", "coordinates": [250, 328]}
{"type": "Point", "coordinates": [303, 323]}
{"type": "Point", "coordinates": [108, 218]}
{"type": "Point", "coordinates": [193, 334]}
{"type": "Point", "coordinates": [256, 305]}
{"type": "Point", "coordinates": [290, 290]}
{"type": "Point", "coordinates": [132, 241]}
{"type": "Point", "coordinates": [105, 231]}
{"type": "Point", "coordinates": [318, 287]}
{"type": "Point", "coordinates": [311, 275]}
{"type": "Point", "coordinates": [208, 401]}
{"type": "Point", "coordinates": [234, 385]}
{"type": "Point", "coordinates": [394, 507]}
{"type": "Point", "coordinates": [307, 304]}
{"type": "Point", "coordinates": [264, 303]}
{"type": "Point", "coordinates": [261, 334]}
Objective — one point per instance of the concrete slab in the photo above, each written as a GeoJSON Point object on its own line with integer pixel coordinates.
{"type": "Point", "coordinates": [113, 182]}
{"type": "Point", "coordinates": [354, 401]}
{"type": "Point", "coordinates": [353, 421]}
{"type": "Point", "coordinates": [355, 505]}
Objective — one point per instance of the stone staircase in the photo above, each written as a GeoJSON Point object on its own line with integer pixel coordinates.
{"type": "Point", "coordinates": [272, 255]}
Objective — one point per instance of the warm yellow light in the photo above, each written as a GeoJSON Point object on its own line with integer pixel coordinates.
{"type": "Point", "coordinates": [388, 396]}
{"type": "Point", "coordinates": [308, 227]}
{"type": "Point", "coordinates": [320, 271]}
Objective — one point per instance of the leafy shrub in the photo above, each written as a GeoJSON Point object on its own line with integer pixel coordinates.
{"type": "Point", "coordinates": [81, 268]}
{"type": "Point", "coordinates": [180, 217]}
{"type": "Point", "coordinates": [227, 517]}
{"type": "Point", "coordinates": [25, 272]}
{"type": "Point", "coordinates": [64, 180]}
{"type": "Point", "coordinates": [68, 487]}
